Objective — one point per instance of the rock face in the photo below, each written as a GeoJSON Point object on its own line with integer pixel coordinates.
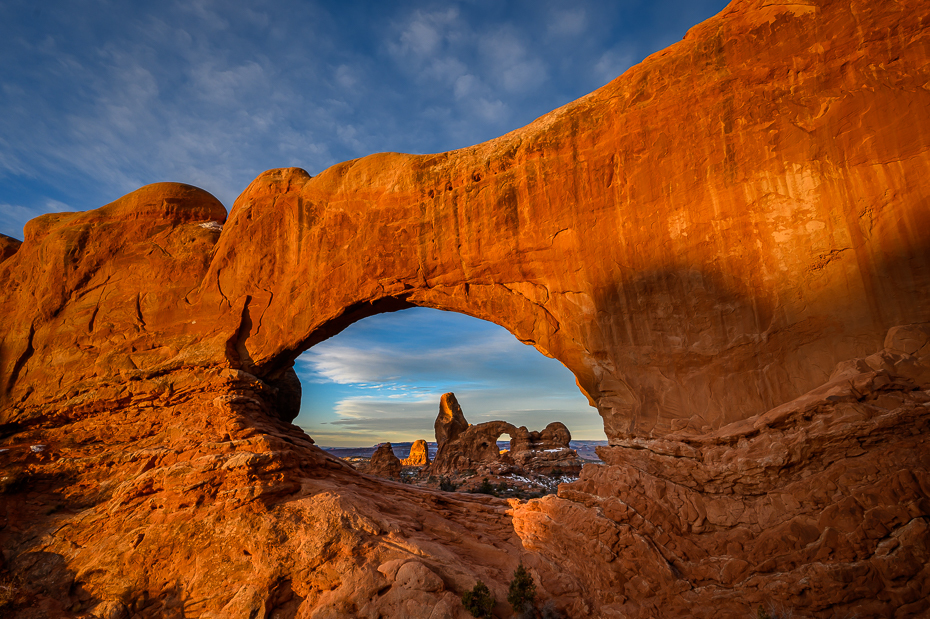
{"type": "Point", "coordinates": [716, 244]}
{"type": "Point", "coordinates": [384, 463]}
{"type": "Point", "coordinates": [419, 454]}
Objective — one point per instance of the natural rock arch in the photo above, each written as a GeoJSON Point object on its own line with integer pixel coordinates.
{"type": "Point", "coordinates": [685, 287]}
{"type": "Point", "coordinates": [698, 241]}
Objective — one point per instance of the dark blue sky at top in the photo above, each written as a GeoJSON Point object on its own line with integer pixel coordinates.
{"type": "Point", "coordinates": [100, 97]}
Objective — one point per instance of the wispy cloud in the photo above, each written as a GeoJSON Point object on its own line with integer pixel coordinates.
{"type": "Point", "coordinates": [100, 98]}
{"type": "Point", "coordinates": [568, 22]}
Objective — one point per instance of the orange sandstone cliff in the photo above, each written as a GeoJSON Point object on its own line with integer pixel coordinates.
{"type": "Point", "coordinates": [729, 246]}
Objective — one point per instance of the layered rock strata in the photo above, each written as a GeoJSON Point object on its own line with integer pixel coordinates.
{"type": "Point", "coordinates": [701, 242]}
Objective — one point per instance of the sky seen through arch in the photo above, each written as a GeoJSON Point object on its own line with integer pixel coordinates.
{"type": "Point", "coordinates": [381, 380]}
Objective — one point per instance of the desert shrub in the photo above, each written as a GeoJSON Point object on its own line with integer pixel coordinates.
{"type": "Point", "coordinates": [549, 611]}
{"type": "Point", "coordinates": [10, 592]}
{"type": "Point", "coordinates": [522, 590]}
{"type": "Point", "coordinates": [486, 487]}
{"type": "Point", "coordinates": [773, 613]}
{"type": "Point", "coordinates": [479, 601]}
{"type": "Point", "coordinates": [447, 485]}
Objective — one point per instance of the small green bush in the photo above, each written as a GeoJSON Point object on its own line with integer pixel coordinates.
{"type": "Point", "coordinates": [479, 601]}
{"type": "Point", "coordinates": [522, 590]}
{"type": "Point", "coordinates": [446, 485]}
{"type": "Point", "coordinates": [486, 487]}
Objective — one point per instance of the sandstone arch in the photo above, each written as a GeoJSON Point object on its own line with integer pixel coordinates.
{"type": "Point", "coordinates": [700, 242]}
{"type": "Point", "coordinates": [685, 286]}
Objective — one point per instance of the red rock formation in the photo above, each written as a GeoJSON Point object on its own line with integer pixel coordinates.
{"type": "Point", "coordinates": [820, 504]}
{"type": "Point", "coordinates": [8, 246]}
{"type": "Point", "coordinates": [546, 452]}
{"type": "Point", "coordinates": [701, 242]}
{"type": "Point", "coordinates": [451, 421]}
{"type": "Point", "coordinates": [475, 447]}
{"type": "Point", "coordinates": [419, 454]}
{"type": "Point", "coordinates": [384, 463]}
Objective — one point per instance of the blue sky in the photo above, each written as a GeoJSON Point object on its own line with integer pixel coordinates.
{"type": "Point", "coordinates": [99, 97]}
{"type": "Point", "coordinates": [381, 380]}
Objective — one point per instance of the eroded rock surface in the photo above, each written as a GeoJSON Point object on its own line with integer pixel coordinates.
{"type": "Point", "coordinates": [547, 451]}
{"type": "Point", "coordinates": [716, 244]}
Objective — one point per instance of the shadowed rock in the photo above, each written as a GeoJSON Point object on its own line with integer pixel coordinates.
{"type": "Point", "coordinates": [384, 463]}
{"type": "Point", "coordinates": [8, 246]}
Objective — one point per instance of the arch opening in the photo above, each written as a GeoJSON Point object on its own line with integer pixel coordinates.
{"type": "Point", "coordinates": [380, 379]}
{"type": "Point", "coordinates": [504, 443]}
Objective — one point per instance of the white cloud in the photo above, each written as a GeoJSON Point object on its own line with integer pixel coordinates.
{"type": "Point", "coordinates": [568, 23]}
{"type": "Point", "coordinates": [509, 63]}
{"type": "Point", "coordinates": [346, 77]}
{"type": "Point", "coordinates": [523, 76]}
{"type": "Point", "coordinates": [489, 110]}
{"type": "Point", "coordinates": [423, 34]}
{"type": "Point", "coordinates": [351, 364]}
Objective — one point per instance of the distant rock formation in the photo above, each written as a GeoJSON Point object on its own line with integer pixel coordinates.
{"type": "Point", "coordinates": [384, 463]}
{"type": "Point", "coordinates": [475, 446]}
{"type": "Point", "coordinates": [419, 454]}
{"type": "Point", "coordinates": [545, 452]}
{"type": "Point", "coordinates": [450, 422]}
